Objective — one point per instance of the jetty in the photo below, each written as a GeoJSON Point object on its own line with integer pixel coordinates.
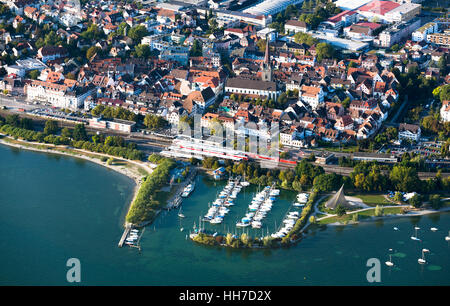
{"type": "Point", "coordinates": [125, 234]}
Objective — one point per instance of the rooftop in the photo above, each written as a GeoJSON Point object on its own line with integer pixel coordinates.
{"type": "Point", "coordinates": [379, 7]}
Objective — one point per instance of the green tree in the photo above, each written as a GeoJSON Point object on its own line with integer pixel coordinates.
{"type": "Point", "coordinates": [51, 127]}
{"type": "Point", "coordinates": [136, 33]}
{"type": "Point", "coordinates": [324, 50]}
{"type": "Point", "coordinates": [435, 201]}
{"type": "Point", "coordinates": [143, 51]}
{"type": "Point", "coordinates": [340, 210]}
{"type": "Point", "coordinates": [79, 133]}
{"type": "Point", "coordinates": [196, 49]}
{"type": "Point", "coordinates": [65, 132]}
{"type": "Point", "coordinates": [415, 201]}
{"type": "Point", "coordinates": [92, 51]}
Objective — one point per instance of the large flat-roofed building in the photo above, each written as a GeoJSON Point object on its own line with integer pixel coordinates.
{"type": "Point", "coordinates": [351, 4]}
{"type": "Point", "coordinates": [258, 20]}
{"type": "Point", "coordinates": [377, 9]}
{"type": "Point", "coordinates": [252, 87]}
{"type": "Point", "coordinates": [404, 12]}
{"type": "Point", "coordinates": [270, 7]}
{"type": "Point", "coordinates": [396, 33]}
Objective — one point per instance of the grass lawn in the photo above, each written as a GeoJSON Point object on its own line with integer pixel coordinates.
{"type": "Point", "coordinates": [361, 215]}
{"type": "Point", "coordinates": [372, 199]}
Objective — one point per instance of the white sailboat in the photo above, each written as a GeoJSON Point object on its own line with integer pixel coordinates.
{"type": "Point", "coordinates": [415, 237]}
{"type": "Point", "coordinates": [389, 263]}
{"type": "Point", "coordinates": [422, 260]}
{"type": "Point", "coordinates": [433, 229]}
{"type": "Point", "coordinates": [180, 214]}
{"type": "Point", "coordinates": [447, 238]}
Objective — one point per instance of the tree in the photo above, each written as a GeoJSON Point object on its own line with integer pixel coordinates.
{"type": "Point", "coordinates": [92, 51]}
{"type": "Point", "coordinates": [378, 211]}
{"type": "Point", "coordinates": [415, 201]}
{"type": "Point", "coordinates": [143, 50]}
{"type": "Point", "coordinates": [34, 74]}
{"type": "Point", "coordinates": [79, 133]}
{"type": "Point", "coordinates": [435, 201]}
{"type": "Point", "coordinates": [304, 38]}
{"type": "Point", "coordinates": [196, 49]}
{"type": "Point", "coordinates": [154, 122]}
{"type": "Point", "coordinates": [137, 32]}
{"type": "Point", "coordinates": [51, 127]}
{"type": "Point", "coordinates": [340, 210]}
{"type": "Point", "coordinates": [324, 50]}
{"type": "Point", "coordinates": [404, 178]}
{"type": "Point", "coordinates": [65, 132]}
{"type": "Point", "coordinates": [93, 32]}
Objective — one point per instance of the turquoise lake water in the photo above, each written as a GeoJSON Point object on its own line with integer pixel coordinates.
{"type": "Point", "coordinates": [53, 208]}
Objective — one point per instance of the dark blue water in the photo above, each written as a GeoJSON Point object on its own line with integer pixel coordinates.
{"type": "Point", "coordinates": [53, 208]}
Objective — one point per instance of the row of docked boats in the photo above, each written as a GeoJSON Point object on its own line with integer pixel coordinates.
{"type": "Point", "coordinates": [132, 238]}
{"type": "Point", "coordinates": [291, 217]}
{"type": "Point", "coordinates": [259, 207]}
{"type": "Point", "coordinates": [225, 199]}
{"type": "Point", "coordinates": [302, 199]}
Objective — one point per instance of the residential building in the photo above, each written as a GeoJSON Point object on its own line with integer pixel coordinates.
{"type": "Point", "coordinates": [409, 132]}
{"type": "Point", "coordinates": [295, 26]}
{"type": "Point", "coordinates": [421, 33]}
{"type": "Point", "coordinates": [312, 95]}
{"type": "Point", "coordinates": [445, 111]}
{"type": "Point", "coordinates": [442, 39]}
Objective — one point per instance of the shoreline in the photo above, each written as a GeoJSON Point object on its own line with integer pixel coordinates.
{"type": "Point", "coordinates": [136, 177]}
{"type": "Point", "coordinates": [391, 216]}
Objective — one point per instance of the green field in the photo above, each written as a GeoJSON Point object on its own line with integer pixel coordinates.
{"type": "Point", "coordinates": [361, 215]}
{"type": "Point", "coordinates": [372, 199]}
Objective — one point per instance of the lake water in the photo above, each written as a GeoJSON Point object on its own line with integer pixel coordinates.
{"type": "Point", "coordinates": [53, 208]}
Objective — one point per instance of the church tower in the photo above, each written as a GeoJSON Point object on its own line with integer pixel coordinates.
{"type": "Point", "coordinates": [266, 67]}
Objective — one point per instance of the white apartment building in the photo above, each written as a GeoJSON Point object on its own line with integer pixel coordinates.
{"type": "Point", "coordinates": [312, 95]}
{"type": "Point", "coordinates": [421, 33]}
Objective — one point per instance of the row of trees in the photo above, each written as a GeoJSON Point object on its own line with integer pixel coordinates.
{"type": "Point", "coordinates": [114, 112]}
{"type": "Point", "coordinates": [366, 176]}
{"type": "Point", "coordinates": [145, 205]}
{"type": "Point", "coordinates": [77, 138]}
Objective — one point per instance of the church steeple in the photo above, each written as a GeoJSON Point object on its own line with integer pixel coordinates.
{"type": "Point", "coordinates": [266, 67]}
